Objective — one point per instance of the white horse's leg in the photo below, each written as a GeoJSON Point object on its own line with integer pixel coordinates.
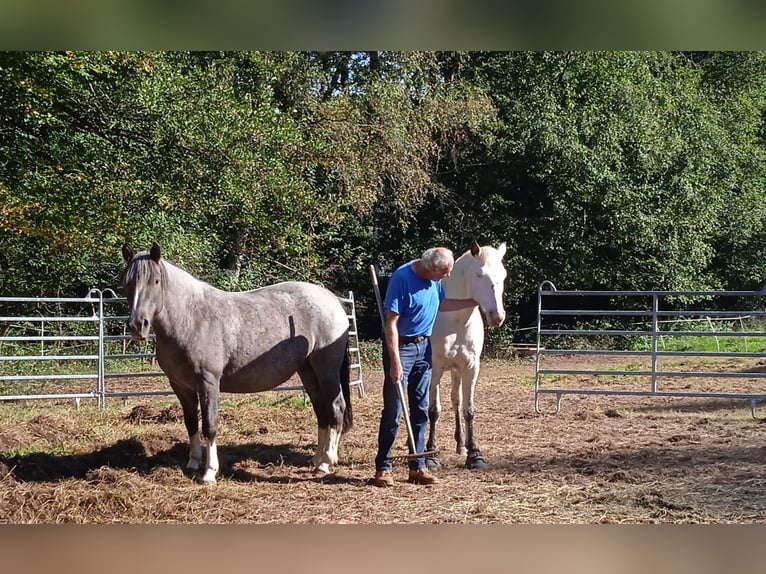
{"type": "Point", "coordinates": [434, 412]}
{"type": "Point", "coordinates": [434, 406]}
{"type": "Point", "coordinates": [469, 385]}
{"type": "Point", "coordinates": [474, 458]}
{"type": "Point", "coordinates": [457, 401]}
{"type": "Point", "coordinates": [195, 452]}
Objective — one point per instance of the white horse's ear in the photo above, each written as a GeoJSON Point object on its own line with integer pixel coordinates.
{"type": "Point", "coordinates": [155, 252]}
{"type": "Point", "coordinates": [501, 249]}
{"type": "Point", "coordinates": [475, 249]}
{"type": "Point", "coordinates": [127, 252]}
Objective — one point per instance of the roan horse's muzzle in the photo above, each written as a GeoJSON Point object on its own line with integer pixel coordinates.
{"type": "Point", "coordinates": [139, 328]}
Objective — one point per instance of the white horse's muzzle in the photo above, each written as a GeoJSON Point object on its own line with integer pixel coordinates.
{"type": "Point", "coordinates": [495, 318]}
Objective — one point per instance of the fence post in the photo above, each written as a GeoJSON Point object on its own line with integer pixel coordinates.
{"type": "Point", "coordinates": [100, 387]}
{"type": "Point", "coordinates": [655, 336]}
{"type": "Point", "coordinates": [538, 349]}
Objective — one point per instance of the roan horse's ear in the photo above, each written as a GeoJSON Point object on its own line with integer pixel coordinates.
{"type": "Point", "coordinates": [127, 252]}
{"type": "Point", "coordinates": [155, 252]}
{"type": "Point", "coordinates": [475, 248]}
{"type": "Point", "coordinates": [501, 249]}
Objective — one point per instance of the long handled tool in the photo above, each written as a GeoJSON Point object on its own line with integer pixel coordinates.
{"type": "Point", "coordinates": [399, 385]}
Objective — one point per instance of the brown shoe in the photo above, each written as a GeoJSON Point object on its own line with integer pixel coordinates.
{"type": "Point", "coordinates": [383, 478]}
{"type": "Point", "coordinates": [422, 476]}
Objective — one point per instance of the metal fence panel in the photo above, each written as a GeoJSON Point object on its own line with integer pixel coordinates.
{"type": "Point", "coordinates": [79, 348]}
{"type": "Point", "coordinates": [651, 318]}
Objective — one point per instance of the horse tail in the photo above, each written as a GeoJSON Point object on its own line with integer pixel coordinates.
{"type": "Point", "coordinates": [345, 385]}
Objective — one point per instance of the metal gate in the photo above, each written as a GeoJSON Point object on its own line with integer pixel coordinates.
{"type": "Point", "coordinates": [639, 332]}
{"type": "Point", "coordinates": [79, 348]}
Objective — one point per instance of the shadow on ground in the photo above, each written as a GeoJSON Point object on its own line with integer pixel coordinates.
{"type": "Point", "coordinates": [130, 454]}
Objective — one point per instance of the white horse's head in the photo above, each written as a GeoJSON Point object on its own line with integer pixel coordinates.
{"type": "Point", "coordinates": [485, 276]}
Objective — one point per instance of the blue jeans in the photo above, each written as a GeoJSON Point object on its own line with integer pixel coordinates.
{"type": "Point", "coordinates": [416, 364]}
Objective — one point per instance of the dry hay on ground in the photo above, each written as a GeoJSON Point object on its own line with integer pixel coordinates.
{"type": "Point", "coordinates": [601, 459]}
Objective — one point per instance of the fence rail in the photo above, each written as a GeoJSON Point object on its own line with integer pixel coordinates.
{"type": "Point", "coordinates": [79, 348]}
{"type": "Point", "coordinates": [558, 339]}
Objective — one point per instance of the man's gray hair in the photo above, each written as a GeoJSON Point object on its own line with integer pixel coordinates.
{"type": "Point", "coordinates": [437, 257]}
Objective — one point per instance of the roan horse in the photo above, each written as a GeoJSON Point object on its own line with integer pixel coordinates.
{"type": "Point", "coordinates": [210, 341]}
{"type": "Point", "coordinates": [457, 341]}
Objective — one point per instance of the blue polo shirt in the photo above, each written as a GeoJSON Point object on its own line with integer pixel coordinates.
{"type": "Point", "coordinates": [416, 301]}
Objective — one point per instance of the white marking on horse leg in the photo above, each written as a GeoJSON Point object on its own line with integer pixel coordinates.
{"type": "Point", "coordinates": [212, 463]}
{"type": "Point", "coordinates": [326, 457]}
{"type": "Point", "coordinates": [333, 435]}
{"type": "Point", "coordinates": [320, 459]}
{"type": "Point", "coordinates": [321, 439]}
{"type": "Point", "coordinates": [195, 452]}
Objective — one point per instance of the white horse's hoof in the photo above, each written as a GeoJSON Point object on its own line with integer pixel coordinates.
{"type": "Point", "coordinates": [476, 461]}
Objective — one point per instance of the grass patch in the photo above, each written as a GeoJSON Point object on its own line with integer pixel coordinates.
{"type": "Point", "coordinates": [728, 344]}
{"type": "Point", "coordinates": [371, 354]}
{"type": "Point", "coordinates": [699, 343]}
{"type": "Point", "coordinates": [279, 399]}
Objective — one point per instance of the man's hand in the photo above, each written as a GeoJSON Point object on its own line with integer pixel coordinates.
{"type": "Point", "coordinates": [396, 371]}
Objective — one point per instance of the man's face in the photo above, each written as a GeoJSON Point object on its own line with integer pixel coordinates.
{"type": "Point", "coordinates": [439, 273]}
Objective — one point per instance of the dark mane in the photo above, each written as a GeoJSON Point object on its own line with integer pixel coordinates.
{"type": "Point", "coordinates": [141, 266]}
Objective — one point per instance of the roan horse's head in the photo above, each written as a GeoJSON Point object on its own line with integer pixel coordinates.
{"type": "Point", "coordinates": [486, 277]}
{"type": "Point", "coordinates": [143, 285]}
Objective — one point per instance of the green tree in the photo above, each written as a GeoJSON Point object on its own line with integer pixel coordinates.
{"type": "Point", "coordinates": [270, 165]}
{"type": "Point", "coordinates": [65, 129]}
{"type": "Point", "coordinates": [611, 170]}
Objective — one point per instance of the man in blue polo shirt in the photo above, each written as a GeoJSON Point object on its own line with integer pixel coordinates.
{"type": "Point", "coordinates": [413, 298]}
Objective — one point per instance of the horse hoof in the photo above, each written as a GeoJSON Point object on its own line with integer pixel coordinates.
{"type": "Point", "coordinates": [322, 470]}
{"type": "Point", "coordinates": [476, 461]}
{"type": "Point", "coordinates": [207, 479]}
{"type": "Point", "coordinates": [433, 463]}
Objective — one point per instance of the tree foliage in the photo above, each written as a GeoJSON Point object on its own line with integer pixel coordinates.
{"type": "Point", "coordinates": [618, 170]}
{"type": "Point", "coordinates": [635, 170]}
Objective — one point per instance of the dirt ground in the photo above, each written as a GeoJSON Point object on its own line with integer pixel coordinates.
{"type": "Point", "coordinates": [600, 459]}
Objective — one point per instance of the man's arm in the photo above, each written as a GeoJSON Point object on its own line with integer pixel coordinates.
{"type": "Point", "coordinates": [391, 333]}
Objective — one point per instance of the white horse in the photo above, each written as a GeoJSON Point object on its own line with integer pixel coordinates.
{"type": "Point", "coordinates": [457, 341]}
